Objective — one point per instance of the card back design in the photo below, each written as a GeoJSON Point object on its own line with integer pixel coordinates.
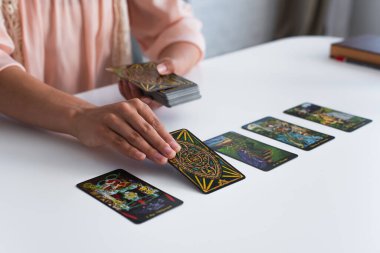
{"type": "Point", "coordinates": [249, 151]}
{"type": "Point", "coordinates": [146, 77]}
{"type": "Point", "coordinates": [128, 195]}
{"type": "Point", "coordinates": [288, 133]}
{"type": "Point", "coordinates": [328, 117]}
{"type": "Point", "coordinates": [201, 165]}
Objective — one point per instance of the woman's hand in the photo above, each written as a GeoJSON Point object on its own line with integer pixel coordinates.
{"type": "Point", "coordinates": [130, 91]}
{"type": "Point", "coordinates": [177, 58]}
{"type": "Point", "coordinates": [129, 127]}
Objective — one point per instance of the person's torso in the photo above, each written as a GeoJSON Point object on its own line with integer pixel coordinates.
{"type": "Point", "coordinates": [68, 44]}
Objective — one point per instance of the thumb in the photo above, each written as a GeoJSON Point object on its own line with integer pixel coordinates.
{"type": "Point", "coordinates": [165, 67]}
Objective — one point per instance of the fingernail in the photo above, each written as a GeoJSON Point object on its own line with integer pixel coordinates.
{"type": "Point", "coordinates": [161, 68]}
{"type": "Point", "coordinates": [169, 152]}
{"type": "Point", "coordinates": [160, 158]}
{"type": "Point", "coordinates": [175, 146]}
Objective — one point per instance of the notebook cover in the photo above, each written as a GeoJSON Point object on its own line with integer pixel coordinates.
{"type": "Point", "coordinates": [366, 43]}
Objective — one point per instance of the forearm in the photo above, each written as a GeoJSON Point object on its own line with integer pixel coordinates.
{"type": "Point", "coordinates": [27, 99]}
{"type": "Point", "coordinates": [129, 127]}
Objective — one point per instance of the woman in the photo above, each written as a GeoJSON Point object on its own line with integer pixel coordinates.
{"type": "Point", "coordinates": [50, 50]}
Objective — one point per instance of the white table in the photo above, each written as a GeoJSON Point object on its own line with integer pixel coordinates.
{"type": "Point", "coordinates": [326, 200]}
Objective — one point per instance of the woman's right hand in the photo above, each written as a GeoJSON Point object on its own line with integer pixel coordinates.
{"type": "Point", "coordinates": [129, 127]}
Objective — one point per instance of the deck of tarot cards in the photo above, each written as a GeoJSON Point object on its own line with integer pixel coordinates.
{"type": "Point", "coordinates": [169, 90]}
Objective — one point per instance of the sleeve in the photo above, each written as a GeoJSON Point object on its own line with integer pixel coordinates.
{"type": "Point", "coordinates": [157, 24]}
{"type": "Point", "coordinates": [6, 48]}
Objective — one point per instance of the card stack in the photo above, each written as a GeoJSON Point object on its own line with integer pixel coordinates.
{"type": "Point", "coordinates": [169, 90]}
{"type": "Point", "coordinates": [177, 95]}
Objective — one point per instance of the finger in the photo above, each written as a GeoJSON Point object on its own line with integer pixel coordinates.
{"type": "Point", "coordinates": [121, 89]}
{"type": "Point", "coordinates": [151, 103]}
{"type": "Point", "coordinates": [146, 100]}
{"type": "Point", "coordinates": [135, 92]}
{"type": "Point", "coordinates": [151, 136]}
{"type": "Point", "coordinates": [166, 66]}
{"type": "Point", "coordinates": [129, 90]}
{"type": "Point", "coordinates": [124, 89]}
{"type": "Point", "coordinates": [147, 131]}
{"type": "Point", "coordinates": [154, 122]}
{"type": "Point", "coordinates": [119, 144]}
{"type": "Point", "coordinates": [135, 139]}
{"type": "Point", "coordinates": [154, 105]}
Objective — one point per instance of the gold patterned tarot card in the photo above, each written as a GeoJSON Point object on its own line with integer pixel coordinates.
{"type": "Point", "coordinates": [146, 77]}
{"type": "Point", "coordinates": [201, 165]}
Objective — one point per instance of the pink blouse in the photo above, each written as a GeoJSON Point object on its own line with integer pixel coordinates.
{"type": "Point", "coordinates": [67, 43]}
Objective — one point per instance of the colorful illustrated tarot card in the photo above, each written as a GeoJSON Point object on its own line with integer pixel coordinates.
{"type": "Point", "coordinates": [146, 77]}
{"type": "Point", "coordinates": [130, 196]}
{"type": "Point", "coordinates": [328, 117]}
{"type": "Point", "coordinates": [288, 133]}
{"type": "Point", "coordinates": [249, 151]}
{"type": "Point", "coordinates": [201, 165]}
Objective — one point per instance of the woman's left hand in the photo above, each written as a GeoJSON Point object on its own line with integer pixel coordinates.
{"type": "Point", "coordinates": [177, 58]}
{"type": "Point", "coordinates": [130, 91]}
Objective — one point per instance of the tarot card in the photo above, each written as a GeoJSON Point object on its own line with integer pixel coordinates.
{"type": "Point", "coordinates": [201, 165]}
{"type": "Point", "coordinates": [130, 196]}
{"type": "Point", "coordinates": [176, 95]}
{"type": "Point", "coordinates": [249, 151]}
{"type": "Point", "coordinates": [146, 77]}
{"type": "Point", "coordinates": [288, 133]}
{"type": "Point", "coordinates": [328, 117]}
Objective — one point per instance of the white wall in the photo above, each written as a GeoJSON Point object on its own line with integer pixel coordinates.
{"type": "Point", "coordinates": [365, 17]}
{"type": "Point", "coordinates": [230, 25]}
{"type": "Point", "coordinates": [234, 24]}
